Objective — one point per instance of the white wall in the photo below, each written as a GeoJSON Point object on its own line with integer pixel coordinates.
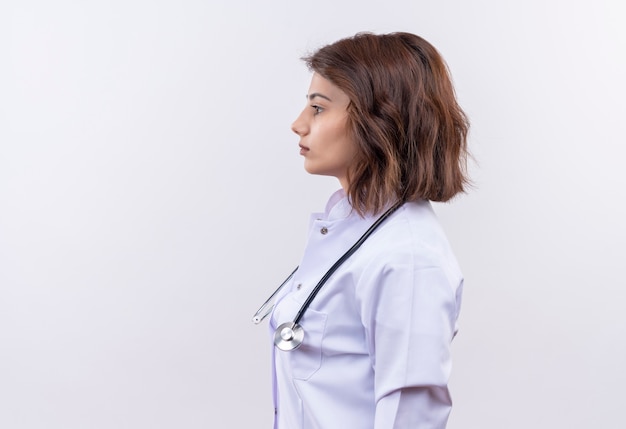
{"type": "Point", "coordinates": [152, 195]}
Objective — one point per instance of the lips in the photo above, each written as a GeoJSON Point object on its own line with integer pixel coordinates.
{"type": "Point", "coordinates": [303, 149]}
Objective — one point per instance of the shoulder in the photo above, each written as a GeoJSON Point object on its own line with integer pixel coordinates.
{"type": "Point", "coordinates": [411, 239]}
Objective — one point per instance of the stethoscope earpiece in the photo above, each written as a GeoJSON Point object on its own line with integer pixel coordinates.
{"type": "Point", "coordinates": [288, 336]}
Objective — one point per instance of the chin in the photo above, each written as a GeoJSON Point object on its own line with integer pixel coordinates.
{"type": "Point", "coordinates": [317, 171]}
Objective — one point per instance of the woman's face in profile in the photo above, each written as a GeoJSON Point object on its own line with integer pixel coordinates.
{"type": "Point", "coordinates": [325, 141]}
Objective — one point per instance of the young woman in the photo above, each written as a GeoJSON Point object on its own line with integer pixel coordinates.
{"type": "Point", "coordinates": [362, 328]}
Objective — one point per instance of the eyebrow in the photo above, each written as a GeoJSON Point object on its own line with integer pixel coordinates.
{"type": "Point", "coordinates": [317, 94]}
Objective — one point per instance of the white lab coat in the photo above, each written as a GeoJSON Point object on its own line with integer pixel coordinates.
{"type": "Point", "coordinates": [376, 350]}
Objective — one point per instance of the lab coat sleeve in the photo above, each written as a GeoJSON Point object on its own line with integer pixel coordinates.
{"type": "Point", "coordinates": [409, 314]}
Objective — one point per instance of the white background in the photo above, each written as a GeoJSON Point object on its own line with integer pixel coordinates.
{"type": "Point", "coordinates": [152, 195]}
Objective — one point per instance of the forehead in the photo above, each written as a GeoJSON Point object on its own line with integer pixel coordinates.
{"type": "Point", "coordinates": [324, 87]}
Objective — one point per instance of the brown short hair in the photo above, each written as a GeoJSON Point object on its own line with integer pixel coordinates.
{"type": "Point", "coordinates": [403, 115]}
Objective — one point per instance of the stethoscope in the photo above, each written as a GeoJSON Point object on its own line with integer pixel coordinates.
{"type": "Point", "coordinates": [289, 335]}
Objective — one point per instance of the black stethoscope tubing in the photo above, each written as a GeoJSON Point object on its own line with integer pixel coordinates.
{"type": "Point", "coordinates": [340, 261]}
{"type": "Point", "coordinates": [289, 335]}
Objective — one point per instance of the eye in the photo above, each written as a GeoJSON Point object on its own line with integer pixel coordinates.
{"type": "Point", "coordinates": [317, 109]}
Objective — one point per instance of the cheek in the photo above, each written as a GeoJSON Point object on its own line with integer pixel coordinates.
{"type": "Point", "coordinates": [340, 131]}
{"type": "Point", "coordinates": [349, 146]}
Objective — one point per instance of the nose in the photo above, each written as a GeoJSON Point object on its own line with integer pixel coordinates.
{"type": "Point", "coordinates": [299, 126]}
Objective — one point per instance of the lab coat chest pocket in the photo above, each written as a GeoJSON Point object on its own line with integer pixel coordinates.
{"type": "Point", "coordinates": [307, 359]}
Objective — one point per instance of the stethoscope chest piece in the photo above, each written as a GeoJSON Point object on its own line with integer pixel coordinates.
{"type": "Point", "coordinates": [288, 336]}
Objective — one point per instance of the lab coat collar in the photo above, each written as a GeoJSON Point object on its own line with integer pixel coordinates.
{"type": "Point", "coordinates": [338, 206]}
